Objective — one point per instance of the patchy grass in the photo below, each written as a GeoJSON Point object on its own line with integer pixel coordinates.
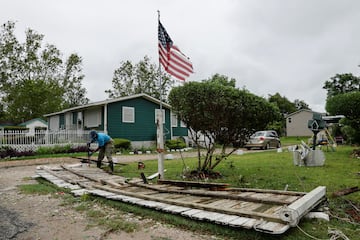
{"type": "Point", "coordinates": [43, 187]}
{"type": "Point", "coordinates": [103, 214]}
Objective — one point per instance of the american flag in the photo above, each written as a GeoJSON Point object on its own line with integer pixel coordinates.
{"type": "Point", "coordinates": [173, 60]}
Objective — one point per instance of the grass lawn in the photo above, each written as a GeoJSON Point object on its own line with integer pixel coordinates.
{"type": "Point", "coordinates": [273, 170]}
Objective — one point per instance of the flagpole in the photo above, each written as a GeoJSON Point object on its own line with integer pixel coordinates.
{"type": "Point", "coordinates": [160, 127]}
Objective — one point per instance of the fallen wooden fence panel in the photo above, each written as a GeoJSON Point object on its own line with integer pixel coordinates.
{"type": "Point", "coordinates": [269, 211]}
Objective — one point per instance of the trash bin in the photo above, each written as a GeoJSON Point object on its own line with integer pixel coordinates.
{"type": "Point", "coordinates": [315, 158]}
{"type": "Point", "coordinates": [296, 158]}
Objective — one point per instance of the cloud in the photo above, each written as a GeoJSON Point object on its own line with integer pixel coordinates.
{"type": "Point", "coordinates": [290, 47]}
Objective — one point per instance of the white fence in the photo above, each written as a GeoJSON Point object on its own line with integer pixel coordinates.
{"type": "Point", "coordinates": [24, 140]}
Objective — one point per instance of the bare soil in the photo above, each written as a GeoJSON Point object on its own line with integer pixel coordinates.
{"type": "Point", "coordinates": [30, 217]}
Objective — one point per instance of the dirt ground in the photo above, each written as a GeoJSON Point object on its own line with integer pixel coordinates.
{"type": "Point", "coordinates": [35, 217]}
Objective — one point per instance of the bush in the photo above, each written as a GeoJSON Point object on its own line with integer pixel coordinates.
{"type": "Point", "coordinates": [175, 144]}
{"type": "Point", "coordinates": [121, 143]}
{"type": "Point", "coordinates": [6, 152]}
{"type": "Point", "coordinates": [60, 149]}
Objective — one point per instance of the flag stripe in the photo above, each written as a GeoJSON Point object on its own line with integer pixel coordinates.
{"type": "Point", "coordinates": [182, 56]}
{"type": "Point", "coordinates": [180, 61]}
{"type": "Point", "coordinates": [171, 58]}
{"type": "Point", "coordinates": [177, 67]}
{"type": "Point", "coordinates": [175, 74]}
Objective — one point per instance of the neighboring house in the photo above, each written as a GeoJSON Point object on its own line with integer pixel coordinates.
{"type": "Point", "coordinates": [29, 126]}
{"type": "Point", "coordinates": [131, 117]}
{"type": "Point", "coordinates": [33, 124]}
{"type": "Point", "coordinates": [297, 123]}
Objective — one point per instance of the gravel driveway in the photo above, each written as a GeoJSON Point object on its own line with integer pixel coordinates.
{"type": "Point", "coordinates": [29, 217]}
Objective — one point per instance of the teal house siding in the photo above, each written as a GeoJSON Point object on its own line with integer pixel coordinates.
{"type": "Point", "coordinates": [144, 126]}
{"type": "Point", "coordinates": [180, 132]}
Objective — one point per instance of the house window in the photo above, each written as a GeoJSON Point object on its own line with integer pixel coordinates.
{"type": "Point", "coordinates": [174, 120]}
{"type": "Point", "coordinates": [54, 122]}
{"type": "Point", "coordinates": [92, 117]}
{"type": "Point", "coordinates": [182, 124]}
{"type": "Point", "coordinates": [74, 118]}
{"type": "Point", "coordinates": [157, 111]}
{"type": "Point", "coordinates": [128, 114]}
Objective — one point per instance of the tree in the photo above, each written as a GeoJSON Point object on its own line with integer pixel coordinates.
{"type": "Point", "coordinates": [343, 98]}
{"type": "Point", "coordinates": [342, 83]}
{"type": "Point", "coordinates": [75, 94]}
{"type": "Point", "coordinates": [285, 105]}
{"type": "Point", "coordinates": [142, 77]}
{"type": "Point", "coordinates": [32, 99]}
{"type": "Point", "coordinates": [221, 113]}
{"type": "Point", "coordinates": [300, 104]}
{"type": "Point", "coordinates": [34, 80]}
{"type": "Point", "coordinates": [347, 104]}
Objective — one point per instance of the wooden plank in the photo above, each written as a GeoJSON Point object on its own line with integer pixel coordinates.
{"type": "Point", "coordinates": [194, 184]}
{"type": "Point", "coordinates": [87, 175]}
{"type": "Point", "coordinates": [222, 202]}
{"type": "Point", "coordinates": [265, 208]}
{"type": "Point", "coordinates": [201, 215]}
{"type": "Point", "coordinates": [271, 227]}
{"type": "Point", "coordinates": [266, 191]}
{"type": "Point", "coordinates": [243, 222]}
{"type": "Point", "coordinates": [114, 184]}
{"type": "Point", "coordinates": [239, 212]}
{"type": "Point", "coordinates": [190, 199]}
{"type": "Point", "coordinates": [273, 210]}
{"type": "Point", "coordinates": [246, 196]}
{"type": "Point", "coordinates": [209, 216]}
{"type": "Point", "coordinates": [101, 193]}
{"type": "Point", "coordinates": [80, 192]}
{"type": "Point", "coordinates": [86, 160]}
{"type": "Point", "coordinates": [175, 209]}
{"type": "Point", "coordinates": [191, 213]}
{"type": "Point", "coordinates": [226, 219]}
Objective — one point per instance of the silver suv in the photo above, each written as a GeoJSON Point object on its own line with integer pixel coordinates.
{"type": "Point", "coordinates": [263, 140]}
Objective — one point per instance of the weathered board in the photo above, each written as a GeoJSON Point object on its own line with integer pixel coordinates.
{"type": "Point", "coordinates": [269, 211]}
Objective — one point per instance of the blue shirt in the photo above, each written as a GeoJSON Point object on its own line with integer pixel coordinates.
{"type": "Point", "coordinates": [102, 139]}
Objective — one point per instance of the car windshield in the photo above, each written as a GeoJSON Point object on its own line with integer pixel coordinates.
{"type": "Point", "coordinates": [258, 134]}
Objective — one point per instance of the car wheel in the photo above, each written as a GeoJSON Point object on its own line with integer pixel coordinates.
{"type": "Point", "coordinates": [278, 145]}
{"type": "Point", "coordinates": [248, 148]}
{"type": "Point", "coordinates": [267, 146]}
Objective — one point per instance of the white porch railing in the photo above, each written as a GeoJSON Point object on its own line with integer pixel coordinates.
{"type": "Point", "coordinates": [30, 140]}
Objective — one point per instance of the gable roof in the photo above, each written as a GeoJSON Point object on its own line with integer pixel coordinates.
{"type": "Point", "coordinates": [33, 120]}
{"type": "Point", "coordinates": [105, 102]}
{"type": "Point", "coordinates": [299, 111]}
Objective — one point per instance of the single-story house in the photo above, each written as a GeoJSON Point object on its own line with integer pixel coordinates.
{"type": "Point", "coordinates": [131, 117]}
{"type": "Point", "coordinates": [33, 124]}
{"type": "Point", "coordinates": [297, 123]}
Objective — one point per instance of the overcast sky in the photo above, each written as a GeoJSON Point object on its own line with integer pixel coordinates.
{"type": "Point", "coordinates": [268, 46]}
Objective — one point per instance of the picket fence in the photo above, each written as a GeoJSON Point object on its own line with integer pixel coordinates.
{"type": "Point", "coordinates": [26, 140]}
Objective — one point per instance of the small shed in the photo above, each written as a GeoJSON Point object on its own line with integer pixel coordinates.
{"type": "Point", "coordinates": [297, 123]}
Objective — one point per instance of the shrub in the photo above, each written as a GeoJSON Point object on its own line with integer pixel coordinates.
{"type": "Point", "coordinates": [10, 152]}
{"type": "Point", "coordinates": [121, 143]}
{"type": "Point", "coordinates": [60, 149]}
{"type": "Point", "coordinates": [175, 144]}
